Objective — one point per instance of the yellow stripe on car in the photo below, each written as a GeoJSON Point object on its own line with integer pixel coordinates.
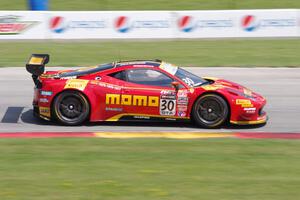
{"type": "Point", "coordinates": [117, 117]}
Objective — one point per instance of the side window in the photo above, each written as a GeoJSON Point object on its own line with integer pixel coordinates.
{"type": "Point", "coordinates": [118, 75]}
{"type": "Point", "coordinates": [148, 77]}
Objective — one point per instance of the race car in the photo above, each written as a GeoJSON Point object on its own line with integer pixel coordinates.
{"type": "Point", "coordinates": [140, 90]}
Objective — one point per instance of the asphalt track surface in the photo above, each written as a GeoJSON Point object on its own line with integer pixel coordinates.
{"type": "Point", "coordinates": [280, 86]}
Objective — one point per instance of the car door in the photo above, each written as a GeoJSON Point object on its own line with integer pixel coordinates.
{"type": "Point", "coordinates": [148, 93]}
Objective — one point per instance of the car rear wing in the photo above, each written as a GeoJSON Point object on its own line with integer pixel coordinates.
{"type": "Point", "coordinates": [36, 66]}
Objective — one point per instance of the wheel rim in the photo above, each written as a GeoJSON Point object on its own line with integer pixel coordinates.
{"type": "Point", "coordinates": [71, 108]}
{"type": "Point", "coordinates": [211, 110]}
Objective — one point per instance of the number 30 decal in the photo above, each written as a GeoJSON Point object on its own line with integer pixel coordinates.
{"type": "Point", "coordinates": [167, 107]}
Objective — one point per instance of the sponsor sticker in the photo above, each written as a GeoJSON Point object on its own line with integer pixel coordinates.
{"type": "Point", "coordinates": [45, 111]}
{"type": "Point", "coordinates": [141, 117]}
{"type": "Point", "coordinates": [35, 61]}
{"type": "Point", "coordinates": [46, 93]}
{"type": "Point", "coordinates": [114, 109]}
{"type": "Point", "coordinates": [182, 93]}
{"type": "Point", "coordinates": [110, 86]}
{"type": "Point", "coordinates": [182, 100]}
{"type": "Point", "coordinates": [182, 108]}
{"type": "Point", "coordinates": [79, 84]}
{"type": "Point", "coordinates": [167, 94]}
{"type": "Point", "coordinates": [245, 103]}
{"type": "Point", "coordinates": [181, 113]}
{"type": "Point", "coordinates": [43, 100]}
{"type": "Point", "coordinates": [250, 110]}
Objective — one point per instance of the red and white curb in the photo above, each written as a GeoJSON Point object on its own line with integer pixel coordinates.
{"type": "Point", "coordinates": [173, 135]}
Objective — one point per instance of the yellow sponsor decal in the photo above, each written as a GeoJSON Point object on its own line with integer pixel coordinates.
{"type": "Point", "coordinates": [210, 87]}
{"type": "Point", "coordinates": [132, 100]}
{"type": "Point", "coordinates": [45, 111]}
{"type": "Point", "coordinates": [79, 84]}
{"type": "Point", "coordinates": [245, 103]}
{"type": "Point", "coordinates": [36, 61]}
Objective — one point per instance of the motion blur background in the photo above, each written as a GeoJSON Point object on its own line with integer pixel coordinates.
{"type": "Point", "coordinates": [274, 33]}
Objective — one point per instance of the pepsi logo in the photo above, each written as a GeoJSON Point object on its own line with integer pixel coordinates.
{"type": "Point", "coordinates": [249, 23]}
{"type": "Point", "coordinates": [57, 24]}
{"type": "Point", "coordinates": [186, 24]}
{"type": "Point", "coordinates": [122, 24]}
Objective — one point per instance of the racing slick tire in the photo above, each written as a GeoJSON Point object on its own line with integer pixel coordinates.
{"type": "Point", "coordinates": [210, 111]}
{"type": "Point", "coordinates": [71, 108]}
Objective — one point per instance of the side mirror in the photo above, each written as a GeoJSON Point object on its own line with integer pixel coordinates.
{"type": "Point", "coordinates": [176, 85]}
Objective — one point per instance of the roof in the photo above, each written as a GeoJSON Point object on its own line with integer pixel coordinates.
{"type": "Point", "coordinates": [102, 67]}
{"type": "Point", "coordinates": [155, 63]}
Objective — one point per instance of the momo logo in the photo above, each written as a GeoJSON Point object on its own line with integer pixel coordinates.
{"type": "Point", "coordinates": [132, 100]}
{"type": "Point", "coordinates": [249, 23]}
{"type": "Point", "coordinates": [12, 25]}
{"type": "Point", "coordinates": [58, 24]}
{"type": "Point", "coordinates": [122, 24]}
{"type": "Point", "coordinates": [186, 24]}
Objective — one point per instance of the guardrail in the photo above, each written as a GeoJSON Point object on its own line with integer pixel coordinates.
{"type": "Point", "coordinates": [149, 24]}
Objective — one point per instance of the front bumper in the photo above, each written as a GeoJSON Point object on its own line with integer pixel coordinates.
{"type": "Point", "coordinates": [249, 111]}
{"type": "Point", "coordinates": [260, 120]}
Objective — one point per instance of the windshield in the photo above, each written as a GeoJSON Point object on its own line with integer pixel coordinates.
{"type": "Point", "coordinates": [190, 79]}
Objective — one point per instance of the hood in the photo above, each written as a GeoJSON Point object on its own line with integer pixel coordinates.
{"type": "Point", "coordinates": [230, 87]}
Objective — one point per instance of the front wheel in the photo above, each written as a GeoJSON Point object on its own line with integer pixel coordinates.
{"type": "Point", "coordinates": [71, 108]}
{"type": "Point", "coordinates": [210, 111]}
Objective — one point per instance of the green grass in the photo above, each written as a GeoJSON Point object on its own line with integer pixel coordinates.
{"type": "Point", "coordinates": [154, 4]}
{"type": "Point", "coordinates": [106, 169]}
{"type": "Point", "coordinates": [188, 53]}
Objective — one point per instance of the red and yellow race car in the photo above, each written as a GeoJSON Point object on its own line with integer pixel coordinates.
{"type": "Point", "coordinates": [140, 90]}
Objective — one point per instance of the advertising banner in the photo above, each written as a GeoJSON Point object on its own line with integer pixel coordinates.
{"type": "Point", "coordinates": [78, 25]}
{"type": "Point", "coordinates": [237, 23]}
{"type": "Point", "coordinates": [149, 24]}
{"type": "Point", "coordinates": [267, 23]}
{"type": "Point", "coordinates": [105, 25]}
{"type": "Point", "coordinates": [141, 24]}
{"type": "Point", "coordinates": [205, 24]}
{"type": "Point", "coordinates": [22, 25]}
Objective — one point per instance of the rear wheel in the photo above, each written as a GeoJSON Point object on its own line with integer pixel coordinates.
{"type": "Point", "coordinates": [71, 108]}
{"type": "Point", "coordinates": [210, 111]}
